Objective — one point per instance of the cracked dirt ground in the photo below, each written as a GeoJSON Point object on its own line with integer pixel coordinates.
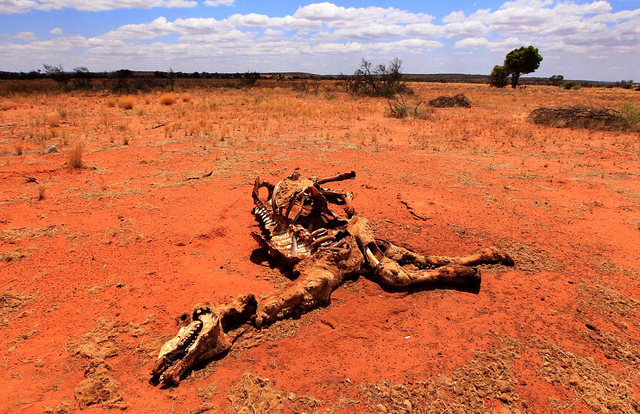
{"type": "Point", "coordinates": [93, 275]}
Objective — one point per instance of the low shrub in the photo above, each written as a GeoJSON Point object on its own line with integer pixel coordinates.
{"type": "Point", "coordinates": [127, 102]}
{"type": "Point", "coordinates": [168, 98]}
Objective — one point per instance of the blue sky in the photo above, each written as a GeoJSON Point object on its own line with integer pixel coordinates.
{"type": "Point", "coordinates": [580, 39]}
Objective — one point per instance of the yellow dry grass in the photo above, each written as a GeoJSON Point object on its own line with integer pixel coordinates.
{"type": "Point", "coordinates": [54, 120]}
{"type": "Point", "coordinates": [168, 98]}
{"type": "Point", "coordinates": [75, 153]}
{"type": "Point", "coordinates": [127, 102]}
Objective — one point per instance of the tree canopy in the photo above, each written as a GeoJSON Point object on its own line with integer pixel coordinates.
{"type": "Point", "coordinates": [499, 77]}
{"type": "Point", "coordinates": [521, 60]}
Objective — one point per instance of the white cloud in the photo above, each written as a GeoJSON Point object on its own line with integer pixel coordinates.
{"type": "Point", "coordinates": [56, 31]}
{"type": "Point", "coordinates": [330, 33]}
{"type": "Point", "coordinates": [219, 2]}
{"type": "Point", "coordinates": [24, 6]}
{"type": "Point", "coordinates": [472, 43]}
{"type": "Point", "coordinates": [22, 36]}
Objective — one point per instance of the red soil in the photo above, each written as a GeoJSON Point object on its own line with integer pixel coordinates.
{"type": "Point", "coordinates": [129, 239]}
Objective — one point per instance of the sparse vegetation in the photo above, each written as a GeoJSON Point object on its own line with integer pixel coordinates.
{"type": "Point", "coordinates": [75, 153]}
{"type": "Point", "coordinates": [399, 108]}
{"type": "Point", "coordinates": [127, 102]}
{"type": "Point", "coordinates": [381, 80]}
{"type": "Point", "coordinates": [168, 98]}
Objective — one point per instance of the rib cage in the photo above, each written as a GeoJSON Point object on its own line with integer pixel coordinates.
{"type": "Point", "coordinates": [290, 240]}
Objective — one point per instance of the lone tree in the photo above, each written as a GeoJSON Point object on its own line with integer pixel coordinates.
{"type": "Point", "coordinates": [522, 60]}
{"type": "Point", "coordinates": [499, 77]}
{"type": "Point", "coordinates": [556, 80]}
{"type": "Point", "coordinates": [58, 74]}
{"type": "Point", "coordinates": [381, 80]}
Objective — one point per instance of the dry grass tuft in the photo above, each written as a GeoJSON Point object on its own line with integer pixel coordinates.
{"type": "Point", "coordinates": [18, 148]}
{"type": "Point", "coordinates": [168, 98]}
{"type": "Point", "coordinates": [75, 152]}
{"type": "Point", "coordinates": [111, 102]}
{"type": "Point", "coordinates": [127, 102]}
{"type": "Point", "coordinates": [54, 120]}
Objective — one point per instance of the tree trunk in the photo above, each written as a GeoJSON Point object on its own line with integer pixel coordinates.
{"type": "Point", "coordinates": [515, 77]}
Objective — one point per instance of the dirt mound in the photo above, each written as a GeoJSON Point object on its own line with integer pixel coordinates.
{"type": "Point", "coordinates": [459, 100]}
{"type": "Point", "coordinates": [579, 117]}
{"type": "Point", "coordinates": [99, 388]}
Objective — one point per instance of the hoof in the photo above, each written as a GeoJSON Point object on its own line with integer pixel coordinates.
{"type": "Point", "coordinates": [493, 255]}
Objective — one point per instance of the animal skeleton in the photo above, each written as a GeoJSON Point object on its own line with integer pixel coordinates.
{"type": "Point", "coordinates": [303, 231]}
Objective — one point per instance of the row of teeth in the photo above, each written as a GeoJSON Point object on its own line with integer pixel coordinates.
{"type": "Point", "coordinates": [191, 335]}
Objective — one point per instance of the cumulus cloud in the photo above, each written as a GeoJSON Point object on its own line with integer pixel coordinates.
{"type": "Point", "coordinates": [56, 31]}
{"type": "Point", "coordinates": [24, 6]}
{"type": "Point", "coordinates": [319, 33]}
{"type": "Point", "coordinates": [219, 2]}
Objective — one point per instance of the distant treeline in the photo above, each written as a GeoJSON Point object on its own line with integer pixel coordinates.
{"type": "Point", "coordinates": [126, 79]}
{"type": "Point", "coordinates": [125, 73]}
